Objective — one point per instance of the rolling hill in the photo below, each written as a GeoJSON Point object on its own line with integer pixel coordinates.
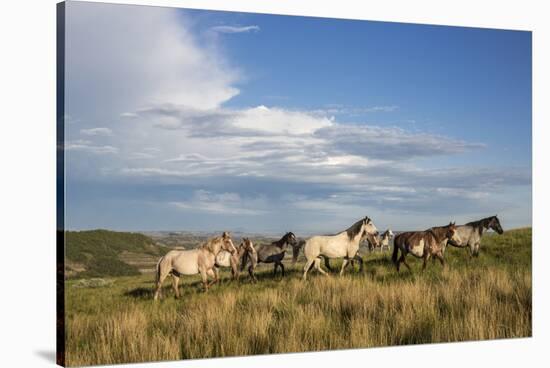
{"type": "Point", "coordinates": [99, 253]}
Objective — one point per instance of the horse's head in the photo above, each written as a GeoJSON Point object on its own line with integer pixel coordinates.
{"type": "Point", "coordinates": [451, 233]}
{"type": "Point", "coordinates": [248, 245]}
{"type": "Point", "coordinates": [227, 243]}
{"type": "Point", "coordinates": [494, 224]}
{"type": "Point", "coordinates": [368, 226]}
{"type": "Point", "coordinates": [290, 238]}
{"type": "Point", "coordinates": [390, 233]}
{"type": "Point", "coordinates": [374, 239]}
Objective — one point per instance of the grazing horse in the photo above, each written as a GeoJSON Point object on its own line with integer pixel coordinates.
{"type": "Point", "coordinates": [245, 250]}
{"type": "Point", "coordinates": [385, 239]}
{"type": "Point", "coordinates": [471, 233]}
{"type": "Point", "coordinates": [344, 244]}
{"type": "Point", "coordinates": [373, 242]}
{"type": "Point", "coordinates": [423, 244]}
{"type": "Point", "coordinates": [275, 252]}
{"type": "Point", "coordinates": [191, 262]}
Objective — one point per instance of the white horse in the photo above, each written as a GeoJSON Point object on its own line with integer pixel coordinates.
{"type": "Point", "coordinates": [191, 262]}
{"type": "Point", "coordinates": [345, 245]}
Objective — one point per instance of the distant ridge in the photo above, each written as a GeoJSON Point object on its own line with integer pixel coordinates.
{"type": "Point", "coordinates": [99, 253]}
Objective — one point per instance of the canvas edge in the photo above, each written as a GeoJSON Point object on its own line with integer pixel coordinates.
{"type": "Point", "coordinates": [60, 184]}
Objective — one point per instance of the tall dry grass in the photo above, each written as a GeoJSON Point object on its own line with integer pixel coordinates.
{"type": "Point", "coordinates": [466, 301]}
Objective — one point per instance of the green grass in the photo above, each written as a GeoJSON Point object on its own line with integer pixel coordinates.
{"type": "Point", "coordinates": [96, 253]}
{"type": "Point", "coordinates": [482, 298]}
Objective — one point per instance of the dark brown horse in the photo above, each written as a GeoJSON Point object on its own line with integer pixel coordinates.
{"type": "Point", "coordinates": [423, 244]}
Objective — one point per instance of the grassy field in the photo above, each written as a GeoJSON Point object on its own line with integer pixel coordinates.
{"type": "Point", "coordinates": [487, 297]}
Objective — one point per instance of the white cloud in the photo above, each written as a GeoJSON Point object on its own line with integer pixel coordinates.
{"type": "Point", "coordinates": [87, 146]}
{"type": "Point", "coordinates": [128, 115]}
{"type": "Point", "coordinates": [123, 57]}
{"type": "Point", "coordinates": [221, 203]}
{"type": "Point", "coordinates": [339, 109]}
{"type": "Point", "coordinates": [97, 131]}
{"type": "Point", "coordinates": [235, 29]}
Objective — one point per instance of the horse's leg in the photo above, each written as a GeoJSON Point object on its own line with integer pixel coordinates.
{"type": "Point", "coordinates": [282, 268]}
{"type": "Point", "coordinates": [402, 260]}
{"type": "Point", "coordinates": [234, 263]}
{"type": "Point", "coordinates": [399, 261]}
{"type": "Point", "coordinates": [317, 263]}
{"type": "Point", "coordinates": [204, 278]}
{"type": "Point", "coordinates": [251, 273]}
{"type": "Point", "coordinates": [476, 250]}
{"type": "Point", "coordinates": [175, 282]}
{"type": "Point", "coordinates": [344, 264]}
{"type": "Point", "coordinates": [327, 264]}
{"type": "Point", "coordinates": [275, 269]}
{"type": "Point", "coordinates": [360, 260]}
{"type": "Point", "coordinates": [441, 259]}
{"type": "Point", "coordinates": [214, 273]}
{"type": "Point", "coordinates": [425, 261]}
{"type": "Point", "coordinates": [307, 266]}
{"type": "Point", "coordinates": [472, 251]}
{"type": "Point", "coordinates": [162, 275]}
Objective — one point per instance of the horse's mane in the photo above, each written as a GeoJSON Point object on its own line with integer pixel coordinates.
{"type": "Point", "coordinates": [483, 222]}
{"type": "Point", "coordinates": [387, 232]}
{"type": "Point", "coordinates": [354, 229]}
{"type": "Point", "coordinates": [436, 229]}
{"type": "Point", "coordinates": [208, 244]}
{"type": "Point", "coordinates": [283, 240]}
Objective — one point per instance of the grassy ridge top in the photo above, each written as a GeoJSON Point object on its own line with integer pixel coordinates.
{"type": "Point", "coordinates": [96, 253]}
{"type": "Point", "coordinates": [487, 297]}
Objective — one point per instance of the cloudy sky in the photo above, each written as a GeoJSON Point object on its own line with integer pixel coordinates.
{"type": "Point", "coordinates": [199, 120]}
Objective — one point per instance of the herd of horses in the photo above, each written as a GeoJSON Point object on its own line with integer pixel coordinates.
{"type": "Point", "coordinates": [220, 252]}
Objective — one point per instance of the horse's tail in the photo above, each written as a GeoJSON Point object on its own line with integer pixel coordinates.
{"type": "Point", "coordinates": [157, 275]}
{"type": "Point", "coordinates": [395, 250]}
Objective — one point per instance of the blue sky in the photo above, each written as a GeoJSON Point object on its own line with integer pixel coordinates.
{"type": "Point", "coordinates": [201, 120]}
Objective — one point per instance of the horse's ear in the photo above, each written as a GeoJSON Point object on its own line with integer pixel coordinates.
{"type": "Point", "coordinates": [225, 234]}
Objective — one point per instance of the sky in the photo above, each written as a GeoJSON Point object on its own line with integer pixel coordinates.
{"type": "Point", "coordinates": [195, 120]}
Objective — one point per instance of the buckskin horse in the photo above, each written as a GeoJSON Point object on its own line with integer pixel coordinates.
{"type": "Point", "coordinates": [344, 244]}
{"type": "Point", "coordinates": [201, 260]}
{"type": "Point", "coordinates": [373, 242]}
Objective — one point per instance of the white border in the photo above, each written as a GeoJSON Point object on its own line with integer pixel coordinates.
{"type": "Point", "coordinates": [27, 202]}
